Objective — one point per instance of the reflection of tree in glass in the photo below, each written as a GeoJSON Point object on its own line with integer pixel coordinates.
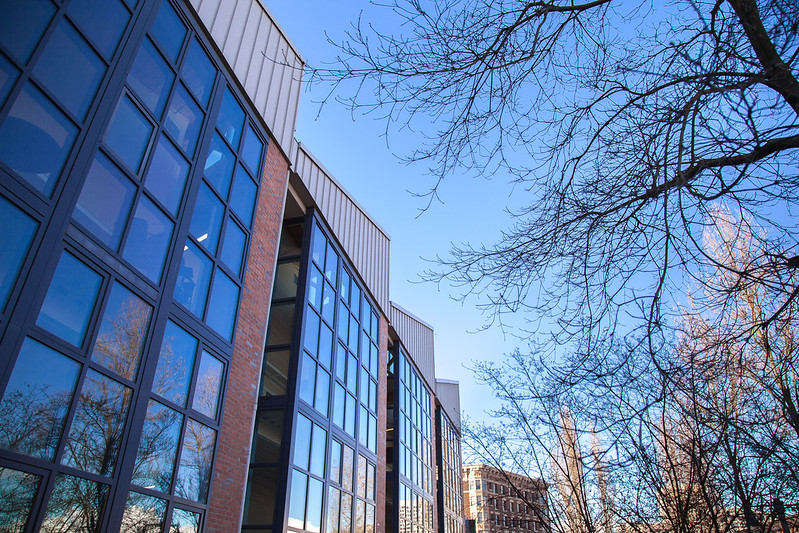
{"type": "Point", "coordinates": [17, 490]}
{"type": "Point", "coordinates": [75, 504]}
{"type": "Point", "coordinates": [143, 514]}
{"type": "Point", "coordinates": [158, 445]}
{"type": "Point", "coordinates": [194, 474]}
{"type": "Point", "coordinates": [184, 522]}
{"type": "Point", "coordinates": [175, 363]}
{"type": "Point", "coordinates": [121, 338]}
{"type": "Point", "coordinates": [31, 421]}
{"type": "Point", "coordinates": [98, 425]}
{"type": "Point", "coordinates": [206, 391]}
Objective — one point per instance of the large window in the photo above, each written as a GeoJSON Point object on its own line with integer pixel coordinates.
{"type": "Point", "coordinates": [129, 171]}
{"type": "Point", "coordinates": [450, 493]}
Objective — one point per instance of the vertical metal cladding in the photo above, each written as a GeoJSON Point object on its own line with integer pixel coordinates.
{"type": "Point", "coordinates": [448, 393]}
{"type": "Point", "coordinates": [262, 58]}
{"type": "Point", "coordinates": [364, 242]}
{"type": "Point", "coordinates": [417, 337]}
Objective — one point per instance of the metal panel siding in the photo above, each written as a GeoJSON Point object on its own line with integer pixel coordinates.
{"type": "Point", "coordinates": [364, 242]}
{"type": "Point", "coordinates": [262, 58]}
{"type": "Point", "coordinates": [417, 337]}
{"type": "Point", "coordinates": [449, 394]}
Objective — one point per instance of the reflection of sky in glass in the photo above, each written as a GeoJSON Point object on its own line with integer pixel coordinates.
{"type": "Point", "coordinates": [143, 512]}
{"type": "Point", "coordinates": [299, 483]}
{"type": "Point", "coordinates": [76, 504]}
{"type": "Point", "coordinates": [185, 521]}
{"type": "Point", "coordinates": [98, 425]}
{"type": "Point", "coordinates": [175, 364]}
{"type": "Point", "coordinates": [155, 459]}
{"type": "Point", "coordinates": [313, 515]}
{"type": "Point", "coordinates": [209, 382]}
{"type": "Point", "coordinates": [35, 403]}
{"type": "Point", "coordinates": [223, 305]}
{"type": "Point", "coordinates": [148, 239]}
{"type": "Point", "coordinates": [194, 276]}
{"type": "Point", "coordinates": [17, 490]}
{"type": "Point", "coordinates": [121, 339]}
{"type": "Point", "coordinates": [17, 238]}
{"type": "Point", "coordinates": [194, 472]}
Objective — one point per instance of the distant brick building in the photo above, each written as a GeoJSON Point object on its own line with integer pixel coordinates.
{"type": "Point", "coordinates": [500, 501]}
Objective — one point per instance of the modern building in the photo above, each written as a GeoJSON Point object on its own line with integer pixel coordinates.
{"type": "Point", "coordinates": [196, 332]}
{"type": "Point", "coordinates": [501, 501]}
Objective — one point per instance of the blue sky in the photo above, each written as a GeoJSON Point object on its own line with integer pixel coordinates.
{"type": "Point", "coordinates": [354, 149]}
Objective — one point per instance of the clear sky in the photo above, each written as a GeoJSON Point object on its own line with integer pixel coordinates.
{"type": "Point", "coordinates": [354, 149]}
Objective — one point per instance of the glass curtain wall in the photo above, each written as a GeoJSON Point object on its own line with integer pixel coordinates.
{"type": "Point", "coordinates": [320, 376]}
{"type": "Point", "coordinates": [450, 495]}
{"type": "Point", "coordinates": [129, 171]}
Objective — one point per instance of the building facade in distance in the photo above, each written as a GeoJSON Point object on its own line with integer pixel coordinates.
{"type": "Point", "coordinates": [500, 501]}
{"type": "Point", "coordinates": [195, 325]}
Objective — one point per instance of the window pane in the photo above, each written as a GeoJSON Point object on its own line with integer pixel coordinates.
{"type": "Point", "coordinates": [275, 373]}
{"type": "Point", "coordinates": [184, 521]}
{"type": "Point", "coordinates": [183, 120]}
{"type": "Point", "coordinates": [76, 504]}
{"type": "Point", "coordinates": [242, 199]}
{"type": "Point", "coordinates": [193, 279]}
{"type": "Point", "coordinates": [209, 383]}
{"type": "Point", "coordinates": [17, 491]}
{"type": "Point", "coordinates": [341, 362]}
{"type": "Point", "coordinates": [319, 246]}
{"type": "Point", "coordinates": [103, 22]}
{"type": "Point", "coordinates": [143, 513]}
{"type": "Point", "coordinates": [36, 400]}
{"type": "Point", "coordinates": [175, 364]}
{"type": "Point", "coordinates": [199, 73]}
{"type": "Point", "coordinates": [22, 25]}
{"type": "Point", "coordinates": [14, 245]}
{"type": "Point", "coordinates": [360, 515]}
{"type": "Point", "coordinates": [166, 177]}
{"type": "Point", "coordinates": [349, 417]}
{"type": "Point", "coordinates": [35, 139]}
{"type": "Point", "coordinates": [311, 333]}
{"type": "Point", "coordinates": [315, 287]}
{"type": "Point", "coordinates": [233, 247]}
{"type": "Point", "coordinates": [333, 501]}
{"type": "Point", "coordinates": [219, 166]}
{"type": "Point", "coordinates": [155, 459]}
{"type": "Point", "coordinates": [347, 463]}
{"type": "Point", "coordinates": [268, 435]}
{"type": "Point", "coordinates": [302, 444]}
{"type": "Point", "coordinates": [281, 324]}
{"type": "Point", "coordinates": [97, 427]}
{"type": "Point", "coordinates": [251, 150]}
{"type": "Point", "coordinates": [370, 481]}
{"type": "Point", "coordinates": [148, 240]}
{"type": "Point", "coordinates": [335, 461]}
{"type": "Point", "coordinates": [105, 201]}
{"type": "Point", "coordinates": [322, 394]}
{"type": "Point", "coordinates": [69, 69]}
{"type": "Point", "coordinates": [291, 240]}
{"type": "Point", "coordinates": [346, 513]}
{"type": "Point", "coordinates": [313, 515]}
{"type": "Point", "coordinates": [363, 429]}
{"type": "Point", "coordinates": [352, 372]}
{"type": "Point", "coordinates": [169, 31]}
{"type": "Point", "coordinates": [299, 484]}
{"type": "Point", "coordinates": [129, 134]}
{"type": "Point", "coordinates": [194, 472]}
{"type": "Point", "coordinates": [231, 118]}
{"type": "Point", "coordinates": [121, 339]}
{"type": "Point", "coordinates": [70, 300]}
{"type": "Point", "coordinates": [325, 345]}
{"type": "Point", "coordinates": [318, 449]}
{"type": "Point", "coordinates": [223, 306]}
{"type": "Point", "coordinates": [151, 78]}
{"type": "Point", "coordinates": [8, 76]}
{"type": "Point", "coordinates": [259, 505]}
{"type": "Point", "coordinates": [206, 222]}
{"type": "Point", "coordinates": [329, 303]}
{"type": "Point", "coordinates": [308, 378]}
{"type": "Point", "coordinates": [331, 266]}
{"type": "Point", "coordinates": [338, 406]}
{"type": "Point", "coordinates": [286, 280]}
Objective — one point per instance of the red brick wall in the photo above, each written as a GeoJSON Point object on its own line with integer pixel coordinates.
{"type": "Point", "coordinates": [228, 484]}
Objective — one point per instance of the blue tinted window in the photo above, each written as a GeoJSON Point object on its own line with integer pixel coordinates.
{"type": "Point", "coordinates": [70, 300]}
{"type": "Point", "coordinates": [299, 484]}
{"type": "Point", "coordinates": [158, 447]}
{"type": "Point", "coordinates": [35, 139]}
{"type": "Point", "coordinates": [15, 242]}
{"type": "Point", "coordinates": [175, 364]}
{"type": "Point", "coordinates": [36, 401]}
{"type": "Point", "coordinates": [206, 223]}
{"type": "Point", "coordinates": [251, 150]}
{"type": "Point", "coordinates": [242, 198]}
{"type": "Point", "coordinates": [194, 276]}
{"type": "Point", "coordinates": [102, 21]}
{"type": "Point", "coordinates": [199, 73]}
{"type": "Point", "coordinates": [224, 302]}
{"type": "Point", "coordinates": [209, 385]}
{"type": "Point", "coordinates": [24, 487]}
{"type": "Point", "coordinates": [231, 119]}
{"type": "Point", "coordinates": [129, 134]}
{"type": "Point", "coordinates": [194, 472]}
{"type": "Point", "coordinates": [183, 520]}
{"type": "Point", "coordinates": [219, 166]}
{"type": "Point", "coordinates": [183, 120]}
{"type": "Point", "coordinates": [148, 240]}
{"type": "Point", "coordinates": [322, 391]}
{"type": "Point", "coordinates": [69, 69]}
{"type": "Point", "coordinates": [134, 519]}
{"type": "Point", "coordinates": [166, 177]}
{"type": "Point", "coordinates": [22, 25]}
{"type": "Point", "coordinates": [307, 381]}
{"type": "Point", "coordinates": [69, 509]}
{"type": "Point", "coordinates": [169, 31]}
{"type": "Point", "coordinates": [8, 75]}
{"type": "Point", "coordinates": [151, 78]}
{"type": "Point", "coordinates": [105, 201]}
{"type": "Point", "coordinates": [233, 247]}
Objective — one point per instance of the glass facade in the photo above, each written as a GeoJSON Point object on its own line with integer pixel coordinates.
{"type": "Point", "coordinates": [414, 482]}
{"type": "Point", "coordinates": [129, 172]}
{"type": "Point", "coordinates": [321, 357]}
{"type": "Point", "coordinates": [450, 494]}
